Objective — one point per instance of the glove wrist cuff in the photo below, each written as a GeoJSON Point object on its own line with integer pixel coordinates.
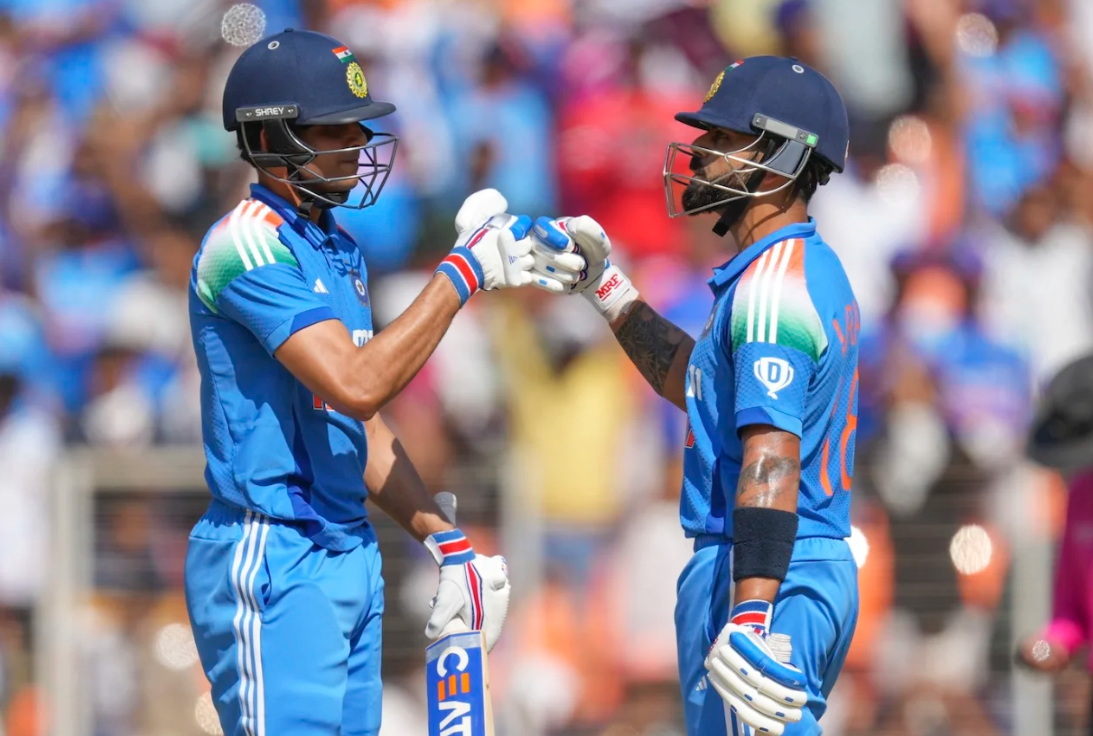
{"type": "Point", "coordinates": [756, 614]}
{"type": "Point", "coordinates": [450, 548]}
{"type": "Point", "coordinates": [612, 293]}
{"type": "Point", "coordinates": [464, 272]}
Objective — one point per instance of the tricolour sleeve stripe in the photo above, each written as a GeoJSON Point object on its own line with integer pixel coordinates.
{"type": "Point", "coordinates": [776, 294]}
{"type": "Point", "coordinates": [242, 241]}
{"type": "Point", "coordinates": [772, 302]}
{"type": "Point", "coordinates": [233, 232]}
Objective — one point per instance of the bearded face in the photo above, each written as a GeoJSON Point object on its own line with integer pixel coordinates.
{"type": "Point", "coordinates": [699, 193]}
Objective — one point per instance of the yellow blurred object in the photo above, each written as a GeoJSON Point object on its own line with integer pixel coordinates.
{"type": "Point", "coordinates": [746, 27]}
{"type": "Point", "coordinates": [567, 426]}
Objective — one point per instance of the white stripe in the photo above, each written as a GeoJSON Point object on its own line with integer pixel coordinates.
{"type": "Point", "coordinates": [243, 223]}
{"type": "Point", "coordinates": [761, 330]}
{"type": "Point", "coordinates": [246, 580]}
{"type": "Point", "coordinates": [753, 290]}
{"type": "Point", "coordinates": [776, 295]}
{"type": "Point", "coordinates": [248, 614]}
{"type": "Point", "coordinates": [258, 241]}
{"type": "Point", "coordinates": [238, 571]}
{"type": "Point", "coordinates": [260, 690]}
{"type": "Point", "coordinates": [260, 225]}
{"type": "Point", "coordinates": [234, 233]}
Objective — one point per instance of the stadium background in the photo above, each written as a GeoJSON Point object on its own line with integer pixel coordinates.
{"type": "Point", "coordinates": [965, 221]}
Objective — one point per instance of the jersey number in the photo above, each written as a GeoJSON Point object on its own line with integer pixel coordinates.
{"type": "Point", "coordinates": [694, 382]}
{"type": "Point", "coordinates": [850, 337]}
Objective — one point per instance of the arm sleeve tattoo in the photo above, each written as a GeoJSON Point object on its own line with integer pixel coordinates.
{"type": "Point", "coordinates": [765, 482]}
{"type": "Point", "coordinates": [652, 343]}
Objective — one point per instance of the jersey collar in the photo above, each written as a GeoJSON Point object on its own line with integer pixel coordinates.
{"type": "Point", "coordinates": [314, 233]}
{"type": "Point", "coordinates": [732, 268]}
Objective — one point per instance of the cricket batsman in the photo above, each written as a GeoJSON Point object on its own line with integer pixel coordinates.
{"type": "Point", "coordinates": [768, 604]}
{"type": "Point", "coordinates": [283, 575]}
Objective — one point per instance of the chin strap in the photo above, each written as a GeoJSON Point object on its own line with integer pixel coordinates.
{"type": "Point", "coordinates": [731, 212]}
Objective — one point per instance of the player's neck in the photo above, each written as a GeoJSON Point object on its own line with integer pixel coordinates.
{"type": "Point", "coordinates": [762, 219]}
{"type": "Point", "coordinates": [287, 193]}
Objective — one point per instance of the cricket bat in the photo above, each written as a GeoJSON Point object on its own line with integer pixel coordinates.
{"type": "Point", "coordinates": [457, 680]}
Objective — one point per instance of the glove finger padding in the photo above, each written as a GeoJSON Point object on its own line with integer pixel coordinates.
{"type": "Point", "coordinates": [554, 243]}
{"type": "Point", "coordinates": [547, 282]}
{"type": "Point", "coordinates": [747, 714]}
{"type": "Point", "coordinates": [478, 208]}
{"type": "Point", "coordinates": [547, 267]}
{"type": "Point", "coordinates": [561, 261]}
{"type": "Point", "coordinates": [721, 673]}
{"type": "Point", "coordinates": [752, 659]}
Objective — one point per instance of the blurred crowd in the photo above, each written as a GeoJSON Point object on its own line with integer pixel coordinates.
{"type": "Point", "coordinates": [965, 221]}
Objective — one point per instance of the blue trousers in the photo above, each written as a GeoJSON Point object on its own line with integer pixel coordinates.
{"type": "Point", "coordinates": [817, 607]}
{"type": "Point", "coordinates": [289, 633]}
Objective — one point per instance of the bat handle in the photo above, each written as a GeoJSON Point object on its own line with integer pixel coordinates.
{"type": "Point", "coordinates": [447, 503]}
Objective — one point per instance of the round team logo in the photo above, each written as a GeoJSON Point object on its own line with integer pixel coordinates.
{"type": "Point", "coordinates": [714, 87]}
{"type": "Point", "coordinates": [354, 75]}
{"type": "Point", "coordinates": [359, 287]}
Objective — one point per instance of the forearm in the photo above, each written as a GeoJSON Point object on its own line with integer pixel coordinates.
{"type": "Point", "coordinates": [395, 486]}
{"type": "Point", "coordinates": [770, 479]}
{"type": "Point", "coordinates": [658, 348]}
{"type": "Point", "coordinates": [393, 357]}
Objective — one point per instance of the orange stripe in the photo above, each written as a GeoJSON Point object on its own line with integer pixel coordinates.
{"type": "Point", "coordinates": [451, 685]}
{"type": "Point", "coordinates": [825, 481]}
{"type": "Point", "coordinates": [440, 690]}
{"type": "Point", "coordinates": [265, 212]}
{"type": "Point", "coordinates": [849, 429]}
{"type": "Point", "coordinates": [796, 266]}
{"type": "Point", "coordinates": [465, 682]}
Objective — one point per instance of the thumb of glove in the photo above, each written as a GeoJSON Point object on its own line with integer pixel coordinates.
{"type": "Point", "coordinates": [479, 207]}
{"type": "Point", "coordinates": [595, 245]}
{"type": "Point", "coordinates": [449, 602]}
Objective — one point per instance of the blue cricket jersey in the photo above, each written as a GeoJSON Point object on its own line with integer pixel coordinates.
{"type": "Point", "coordinates": [263, 273]}
{"type": "Point", "coordinates": [780, 348]}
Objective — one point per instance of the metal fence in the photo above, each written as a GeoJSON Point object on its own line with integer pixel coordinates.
{"type": "Point", "coordinates": [113, 647]}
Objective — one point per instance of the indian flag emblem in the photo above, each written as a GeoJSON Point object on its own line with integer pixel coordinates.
{"type": "Point", "coordinates": [344, 55]}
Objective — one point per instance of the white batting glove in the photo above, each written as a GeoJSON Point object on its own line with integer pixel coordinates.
{"type": "Point", "coordinates": [759, 690]}
{"type": "Point", "coordinates": [474, 590]}
{"type": "Point", "coordinates": [493, 250]}
{"type": "Point", "coordinates": [556, 243]}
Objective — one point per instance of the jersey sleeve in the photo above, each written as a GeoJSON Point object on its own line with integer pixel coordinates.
{"type": "Point", "coordinates": [246, 274]}
{"type": "Point", "coordinates": [777, 340]}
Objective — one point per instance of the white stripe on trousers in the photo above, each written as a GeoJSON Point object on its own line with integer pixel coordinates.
{"type": "Point", "coordinates": [249, 556]}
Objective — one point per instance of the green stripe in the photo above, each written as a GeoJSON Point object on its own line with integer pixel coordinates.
{"type": "Point", "coordinates": [799, 324]}
{"type": "Point", "coordinates": [220, 262]}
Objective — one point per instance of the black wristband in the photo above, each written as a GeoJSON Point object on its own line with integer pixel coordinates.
{"type": "Point", "coordinates": [762, 542]}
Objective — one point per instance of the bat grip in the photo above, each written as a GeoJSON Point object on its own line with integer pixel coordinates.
{"type": "Point", "coordinates": [447, 503]}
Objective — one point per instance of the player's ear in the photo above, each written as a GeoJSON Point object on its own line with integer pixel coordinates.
{"type": "Point", "coordinates": [263, 140]}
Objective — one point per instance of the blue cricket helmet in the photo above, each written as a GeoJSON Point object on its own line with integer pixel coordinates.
{"type": "Point", "coordinates": [312, 72]}
{"type": "Point", "coordinates": [295, 79]}
{"type": "Point", "coordinates": [782, 97]}
{"type": "Point", "coordinates": [794, 112]}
